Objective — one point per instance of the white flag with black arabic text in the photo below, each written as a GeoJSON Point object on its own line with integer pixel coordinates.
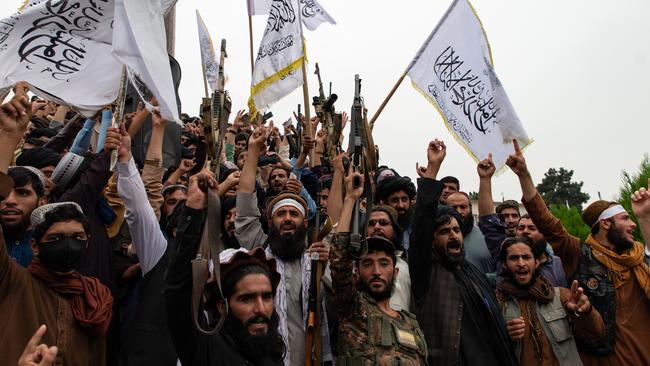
{"type": "Point", "coordinates": [454, 71]}
{"type": "Point", "coordinates": [66, 51]}
{"type": "Point", "coordinates": [312, 13]}
{"type": "Point", "coordinates": [277, 70]}
{"type": "Point", "coordinates": [208, 57]}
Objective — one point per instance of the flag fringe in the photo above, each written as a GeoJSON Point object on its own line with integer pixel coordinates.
{"type": "Point", "coordinates": [455, 135]}
{"type": "Point", "coordinates": [295, 65]}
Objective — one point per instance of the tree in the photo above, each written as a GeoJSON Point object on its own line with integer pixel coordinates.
{"type": "Point", "coordinates": [557, 188]}
{"type": "Point", "coordinates": [571, 220]}
{"type": "Point", "coordinates": [473, 196]}
{"type": "Point", "coordinates": [631, 183]}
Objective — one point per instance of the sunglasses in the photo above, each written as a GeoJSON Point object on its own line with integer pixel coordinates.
{"type": "Point", "coordinates": [381, 222]}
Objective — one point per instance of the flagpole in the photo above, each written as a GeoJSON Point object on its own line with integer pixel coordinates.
{"type": "Point", "coordinates": [305, 88]}
{"type": "Point", "coordinates": [205, 74]}
{"type": "Point", "coordinates": [383, 104]}
{"type": "Point", "coordinates": [119, 111]}
{"type": "Point", "coordinates": [250, 38]}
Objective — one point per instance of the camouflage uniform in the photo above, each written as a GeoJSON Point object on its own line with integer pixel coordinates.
{"type": "Point", "coordinates": [368, 336]}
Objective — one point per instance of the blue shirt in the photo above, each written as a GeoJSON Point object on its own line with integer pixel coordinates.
{"type": "Point", "coordinates": [20, 250]}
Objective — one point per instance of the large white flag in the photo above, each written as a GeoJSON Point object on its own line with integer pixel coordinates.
{"type": "Point", "coordinates": [279, 59]}
{"type": "Point", "coordinates": [454, 71]}
{"type": "Point", "coordinates": [63, 49]}
{"type": "Point", "coordinates": [139, 41]}
{"type": "Point", "coordinates": [208, 57]}
{"type": "Point", "coordinates": [312, 13]}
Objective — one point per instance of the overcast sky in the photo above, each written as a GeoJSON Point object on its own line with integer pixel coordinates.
{"type": "Point", "coordinates": [577, 73]}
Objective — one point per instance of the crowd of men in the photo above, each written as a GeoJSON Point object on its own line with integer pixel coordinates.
{"type": "Point", "coordinates": [320, 262]}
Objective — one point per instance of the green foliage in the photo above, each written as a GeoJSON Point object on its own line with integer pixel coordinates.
{"type": "Point", "coordinates": [571, 220]}
{"type": "Point", "coordinates": [631, 183]}
{"type": "Point", "coordinates": [473, 196]}
{"type": "Point", "coordinates": [557, 188]}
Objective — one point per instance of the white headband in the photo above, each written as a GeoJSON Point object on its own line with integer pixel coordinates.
{"type": "Point", "coordinates": [288, 202]}
{"type": "Point", "coordinates": [610, 212]}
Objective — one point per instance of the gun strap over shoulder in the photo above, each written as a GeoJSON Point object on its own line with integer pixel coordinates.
{"type": "Point", "coordinates": [209, 248]}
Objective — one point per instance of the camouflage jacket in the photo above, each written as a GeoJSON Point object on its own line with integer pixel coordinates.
{"type": "Point", "coordinates": [367, 335]}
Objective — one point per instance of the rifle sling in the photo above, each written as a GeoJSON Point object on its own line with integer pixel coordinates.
{"type": "Point", "coordinates": [210, 247]}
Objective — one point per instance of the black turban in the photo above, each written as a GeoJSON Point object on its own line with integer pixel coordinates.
{"type": "Point", "coordinates": [38, 157]}
{"type": "Point", "coordinates": [390, 185]}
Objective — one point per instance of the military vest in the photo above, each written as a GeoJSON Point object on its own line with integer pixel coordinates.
{"type": "Point", "coordinates": [395, 341]}
{"type": "Point", "coordinates": [592, 277]}
{"type": "Point", "coordinates": [554, 321]}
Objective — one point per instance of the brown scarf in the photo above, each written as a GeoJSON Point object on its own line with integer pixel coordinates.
{"type": "Point", "coordinates": [620, 267]}
{"type": "Point", "coordinates": [541, 289]}
{"type": "Point", "coordinates": [91, 301]}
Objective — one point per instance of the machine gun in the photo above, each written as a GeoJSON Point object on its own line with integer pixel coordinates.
{"type": "Point", "coordinates": [215, 112]}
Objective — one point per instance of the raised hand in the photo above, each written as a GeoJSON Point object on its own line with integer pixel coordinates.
{"type": "Point", "coordinates": [578, 301]}
{"type": "Point", "coordinates": [257, 141]}
{"type": "Point", "coordinates": [15, 114]}
{"type": "Point", "coordinates": [308, 143]}
{"type": "Point", "coordinates": [186, 165]}
{"type": "Point", "coordinates": [197, 191]}
{"type": "Point", "coordinates": [516, 161]}
{"type": "Point", "coordinates": [121, 141]}
{"type": "Point", "coordinates": [641, 203]}
{"type": "Point", "coordinates": [486, 168]}
{"type": "Point", "coordinates": [294, 185]}
{"type": "Point", "coordinates": [36, 353]}
{"type": "Point", "coordinates": [436, 152]}
{"type": "Point", "coordinates": [350, 190]}
{"type": "Point", "coordinates": [118, 139]}
{"type": "Point", "coordinates": [516, 328]}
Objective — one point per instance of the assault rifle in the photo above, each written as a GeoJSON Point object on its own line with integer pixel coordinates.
{"type": "Point", "coordinates": [330, 120]}
{"type": "Point", "coordinates": [357, 249]}
{"type": "Point", "coordinates": [215, 112]}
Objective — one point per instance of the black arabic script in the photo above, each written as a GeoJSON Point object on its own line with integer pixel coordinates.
{"type": "Point", "coordinates": [467, 90]}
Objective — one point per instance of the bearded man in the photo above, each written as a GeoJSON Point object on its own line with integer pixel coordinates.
{"type": "Point", "coordinates": [610, 266]}
{"type": "Point", "coordinates": [286, 217]}
{"type": "Point", "coordinates": [249, 282]}
{"type": "Point", "coordinates": [476, 252]}
{"type": "Point", "coordinates": [15, 210]}
{"type": "Point", "coordinates": [370, 330]}
{"type": "Point", "coordinates": [542, 320]}
{"type": "Point", "coordinates": [453, 300]}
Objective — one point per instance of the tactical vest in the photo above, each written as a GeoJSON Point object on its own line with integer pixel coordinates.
{"type": "Point", "coordinates": [592, 277]}
{"type": "Point", "coordinates": [397, 341]}
{"type": "Point", "coordinates": [555, 324]}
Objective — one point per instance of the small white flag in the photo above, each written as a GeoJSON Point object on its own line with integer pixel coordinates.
{"type": "Point", "coordinates": [454, 71]}
{"type": "Point", "coordinates": [312, 13]}
{"type": "Point", "coordinates": [258, 7]}
{"type": "Point", "coordinates": [208, 57]}
{"type": "Point", "coordinates": [279, 59]}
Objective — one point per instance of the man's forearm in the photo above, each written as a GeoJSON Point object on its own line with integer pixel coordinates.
{"type": "Point", "coordinates": [248, 173]}
{"type": "Point", "coordinates": [644, 226]}
{"type": "Point", "coordinates": [137, 121]}
{"type": "Point", "coordinates": [485, 203]}
{"type": "Point", "coordinates": [154, 151]}
{"type": "Point", "coordinates": [528, 189]}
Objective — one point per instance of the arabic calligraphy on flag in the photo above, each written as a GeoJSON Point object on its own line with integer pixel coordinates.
{"type": "Point", "coordinates": [66, 51]}
{"type": "Point", "coordinates": [454, 71]}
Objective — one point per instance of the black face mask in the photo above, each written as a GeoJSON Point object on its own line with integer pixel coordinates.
{"type": "Point", "coordinates": [62, 255]}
